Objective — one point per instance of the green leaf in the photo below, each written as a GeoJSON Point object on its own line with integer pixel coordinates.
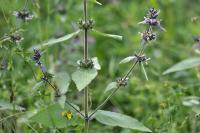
{"type": "Point", "coordinates": [58, 40]}
{"type": "Point", "coordinates": [4, 105]}
{"type": "Point", "coordinates": [108, 35]}
{"type": "Point", "coordinates": [144, 71]}
{"type": "Point", "coordinates": [96, 63]}
{"type": "Point", "coordinates": [61, 100]}
{"type": "Point", "coordinates": [111, 86]}
{"type": "Point", "coordinates": [62, 81]}
{"type": "Point", "coordinates": [127, 59]}
{"type": "Point", "coordinates": [38, 85]}
{"type": "Point", "coordinates": [191, 101]}
{"type": "Point", "coordinates": [95, 1]}
{"type": "Point", "coordinates": [185, 64]}
{"type": "Point", "coordinates": [116, 119]}
{"type": "Point", "coordinates": [51, 117]}
{"type": "Point", "coordinates": [196, 109]}
{"type": "Point", "coordinates": [83, 77]}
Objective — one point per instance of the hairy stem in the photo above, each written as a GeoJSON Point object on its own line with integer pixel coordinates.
{"type": "Point", "coordinates": [86, 101]}
{"type": "Point", "coordinates": [113, 92]}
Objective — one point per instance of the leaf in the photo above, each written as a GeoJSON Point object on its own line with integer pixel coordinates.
{"type": "Point", "coordinates": [191, 101]}
{"type": "Point", "coordinates": [38, 85]}
{"type": "Point", "coordinates": [83, 77]}
{"type": "Point", "coordinates": [108, 35]}
{"type": "Point", "coordinates": [4, 105]}
{"type": "Point", "coordinates": [127, 59]}
{"type": "Point", "coordinates": [111, 86]}
{"type": "Point", "coordinates": [144, 71]}
{"type": "Point", "coordinates": [55, 41]}
{"type": "Point", "coordinates": [51, 117]}
{"type": "Point", "coordinates": [96, 63]}
{"type": "Point", "coordinates": [185, 64]}
{"type": "Point", "coordinates": [196, 109]}
{"type": "Point", "coordinates": [95, 1]}
{"type": "Point", "coordinates": [116, 119]}
{"type": "Point", "coordinates": [62, 81]}
{"type": "Point", "coordinates": [61, 100]}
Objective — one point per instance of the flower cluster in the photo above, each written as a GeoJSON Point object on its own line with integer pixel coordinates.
{"type": "Point", "coordinates": [24, 15]}
{"type": "Point", "coordinates": [151, 20]}
{"type": "Point", "coordinates": [89, 64]}
{"type": "Point", "coordinates": [142, 58]}
{"type": "Point", "coordinates": [89, 24]}
{"type": "Point", "coordinates": [197, 39]}
{"type": "Point", "coordinates": [36, 57]}
{"type": "Point", "coordinates": [196, 46]}
{"type": "Point", "coordinates": [16, 38]}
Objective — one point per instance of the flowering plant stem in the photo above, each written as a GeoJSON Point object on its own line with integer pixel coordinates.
{"type": "Point", "coordinates": [86, 101]}
{"type": "Point", "coordinates": [114, 91]}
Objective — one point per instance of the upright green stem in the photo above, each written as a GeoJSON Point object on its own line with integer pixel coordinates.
{"type": "Point", "coordinates": [86, 101]}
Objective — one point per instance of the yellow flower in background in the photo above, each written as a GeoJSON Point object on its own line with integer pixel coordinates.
{"type": "Point", "coordinates": [67, 114]}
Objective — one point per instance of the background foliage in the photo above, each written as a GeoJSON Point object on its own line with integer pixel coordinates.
{"type": "Point", "coordinates": [159, 103]}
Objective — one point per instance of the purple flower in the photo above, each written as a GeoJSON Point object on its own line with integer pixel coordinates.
{"type": "Point", "coordinates": [37, 54]}
{"type": "Point", "coordinates": [147, 36]}
{"type": "Point", "coordinates": [197, 39]}
{"type": "Point", "coordinates": [151, 19]}
{"type": "Point", "coordinates": [152, 13]}
{"type": "Point", "coordinates": [43, 68]}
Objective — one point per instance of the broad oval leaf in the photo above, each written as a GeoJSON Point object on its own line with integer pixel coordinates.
{"type": "Point", "coordinates": [62, 81]}
{"type": "Point", "coordinates": [107, 35]}
{"type": "Point", "coordinates": [185, 64]}
{"type": "Point", "coordinates": [83, 77]}
{"type": "Point", "coordinates": [121, 120]}
{"type": "Point", "coordinates": [52, 117]}
{"type": "Point", "coordinates": [127, 59]}
{"type": "Point", "coordinates": [111, 86]}
{"type": "Point", "coordinates": [55, 41]}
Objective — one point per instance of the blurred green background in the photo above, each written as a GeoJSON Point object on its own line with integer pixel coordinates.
{"type": "Point", "coordinates": [158, 103]}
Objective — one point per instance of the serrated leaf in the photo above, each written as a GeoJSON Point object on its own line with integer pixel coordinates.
{"type": "Point", "coordinates": [51, 117]}
{"type": "Point", "coordinates": [121, 120]}
{"type": "Point", "coordinates": [95, 1]}
{"type": "Point", "coordinates": [62, 81]}
{"type": "Point", "coordinates": [144, 71]}
{"type": "Point", "coordinates": [127, 59]}
{"type": "Point", "coordinates": [83, 77]}
{"type": "Point", "coordinates": [96, 63]}
{"type": "Point", "coordinates": [55, 41]}
{"type": "Point", "coordinates": [183, 65]}
{"type": "Point", "coordinates": [107, 35]}
{"type": "Point", "coordinates": [111, 86]}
